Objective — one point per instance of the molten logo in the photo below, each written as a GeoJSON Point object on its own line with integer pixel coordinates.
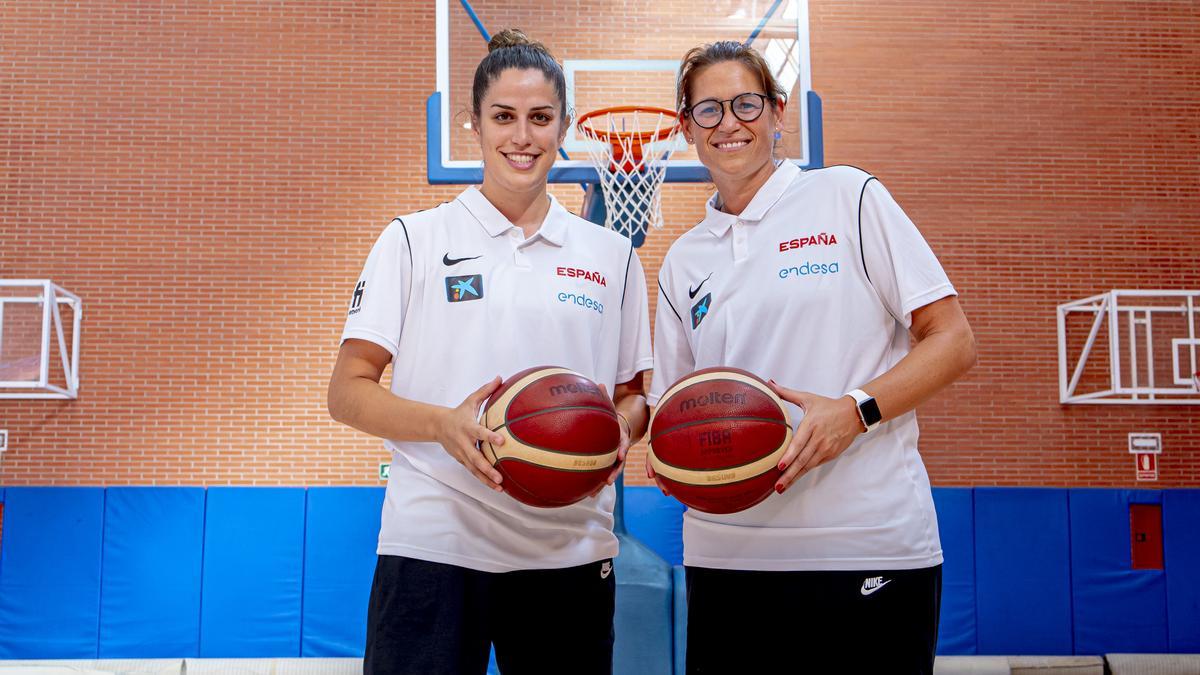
{"type": "Point", "coordinates": [711, 398]}
{"type": "Point", "coordinates": [574, 388]}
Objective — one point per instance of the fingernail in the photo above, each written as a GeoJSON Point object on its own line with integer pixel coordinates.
{"type": "Point", "coordinates": [772, 381]}
{"type": "Point", "coordinates": [781, 466]}
{"type": "Point", "coordinates": [779, 488]}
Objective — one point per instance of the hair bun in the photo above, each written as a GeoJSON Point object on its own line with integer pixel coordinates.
{"type": "Point", "coordinates": [512, 37]}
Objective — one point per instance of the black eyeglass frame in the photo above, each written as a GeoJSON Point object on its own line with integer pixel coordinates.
{"type": "Point", "coordinates": [763, 98]}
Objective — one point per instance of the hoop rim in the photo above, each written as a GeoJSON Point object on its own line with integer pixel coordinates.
{"type": "Point", "coordinates": [639, 137]}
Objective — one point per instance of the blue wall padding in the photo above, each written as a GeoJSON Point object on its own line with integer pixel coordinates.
{"type": "Point", "coordinates": [1022, 571]}
{"type": "Point", "coordinates": [253, 563]}
{"type": "Point", "coordinates": [956, 525]}
{"type": "Point", "coordinates": [657, 520]}
{"type": "Point", "coordinates": [679, 634]}
{"type": "Point", "coordinates": [150, 595]}
{"type": "Point", "coordinates": [1116, 608]}
{"type": "Point", "coordinates": [340, 539]}
{"type": "Point", "coordinates": [1181, 561]}
{"type": "Point", "coordinates": [50, 573]}
{"type": "Point", "coordinates": [644, 610]}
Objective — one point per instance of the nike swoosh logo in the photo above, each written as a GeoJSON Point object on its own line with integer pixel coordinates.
{"type": "Point", "coordinates": [451, 262]}
{"type": "Point", "coordinates": [867, 591]}
{"type": "Point", "coordinates": [691, 293]}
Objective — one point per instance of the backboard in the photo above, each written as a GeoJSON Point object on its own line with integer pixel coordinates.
{"type": "Point", "coordinates": [615, 53]}
{"type": "Point", "coordinates": [39, 340]}
{"type": "Point", "coordinates": [1130, 347]}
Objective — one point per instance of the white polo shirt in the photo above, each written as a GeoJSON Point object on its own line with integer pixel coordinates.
{"type": "Point", "coordinates": [781, 291]}
{"type": "Point", "coordinates": [458, 295]}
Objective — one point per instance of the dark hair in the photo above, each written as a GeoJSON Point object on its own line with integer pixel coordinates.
{"type": "Point", "coordinates": [510, 48]}
{"type": "Point", "coordinates": [699, 58]}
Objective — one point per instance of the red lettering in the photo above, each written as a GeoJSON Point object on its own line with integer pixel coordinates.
{"type": "Point", "coordinates": [577, 273]}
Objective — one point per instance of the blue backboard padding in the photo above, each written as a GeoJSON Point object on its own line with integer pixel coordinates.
{"type": "Point", "coordinates": [956, 525]}
{"type": "Point", "coordinates": [150, 595]}
{"type": "Point", "coordinates": [657, 520]}
{"type": "Point", "coordinates": [50, 573]}
{"type": "Point", "coordinates": [253, 562]}
{"type": "Point", "coordinates": [1181, 561]}
{"type": "Point", "coordinates": [1116, 608]}
{"type": "Point", "coordinates": [1022, 571]}
{"type": "Point", "coordinates": [340, 540]}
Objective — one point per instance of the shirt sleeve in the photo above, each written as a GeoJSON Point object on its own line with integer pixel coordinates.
{"type": "Point", "coordinates": [673, 356]}
{"type": "Point", "coordinates": [380, 297]}
{"type": "Point", "coordinates": [635, 355]}
{"type": "Point", "coordinates": [899, 262]}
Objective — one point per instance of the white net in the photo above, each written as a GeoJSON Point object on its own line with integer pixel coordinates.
{"type": "Point", "coordinates": [630, 151]}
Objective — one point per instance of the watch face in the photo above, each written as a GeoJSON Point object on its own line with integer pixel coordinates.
{"type": "Point", "coordinates": [870, 412]}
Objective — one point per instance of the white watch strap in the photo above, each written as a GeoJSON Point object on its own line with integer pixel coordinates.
{"type": "Point", "coordinates": [859, 396]}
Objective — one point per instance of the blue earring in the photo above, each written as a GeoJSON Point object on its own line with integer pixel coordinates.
{"type": "Point", "coordinates": [778, 135]}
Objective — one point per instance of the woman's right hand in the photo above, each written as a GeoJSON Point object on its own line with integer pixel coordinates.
{"type": "Point", "coordinates": [459, 432]}
{"type": "Point", "coordinates": [654, 477]}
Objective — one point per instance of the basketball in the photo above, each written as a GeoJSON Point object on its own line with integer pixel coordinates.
{"type": "Point", "coordinates": [716, 438]}
{"type": "Point", "coordinates": [560, 436]}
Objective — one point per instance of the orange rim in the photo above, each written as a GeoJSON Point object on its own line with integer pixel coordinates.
{"type": "Point", "coordinates": [641, 137]}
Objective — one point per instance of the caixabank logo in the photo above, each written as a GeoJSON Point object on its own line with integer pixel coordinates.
{"type": "Point", "coordinates": [700, 310]}
{"type": "Point", "coordinates": [462, 289]}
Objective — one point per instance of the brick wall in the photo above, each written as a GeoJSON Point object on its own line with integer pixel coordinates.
{"type": "Point", "coordinates": [210, 176]}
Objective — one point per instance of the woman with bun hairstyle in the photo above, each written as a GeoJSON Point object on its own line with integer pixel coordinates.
{"type": "Point", "coordinates": [819, 282]}
{"type": "Point", "coordinates": [486, 285]}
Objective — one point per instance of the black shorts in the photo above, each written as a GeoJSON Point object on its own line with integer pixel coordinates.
{"type": "Point", "coordinates": [812, 622]}
{"type": "Point", "coordinates": [428, 618]}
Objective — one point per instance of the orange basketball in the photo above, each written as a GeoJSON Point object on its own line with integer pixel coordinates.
{"type": "Point", "coordinates": [560, 436]}
{"type": "Point", "coordinates": [716, 438]}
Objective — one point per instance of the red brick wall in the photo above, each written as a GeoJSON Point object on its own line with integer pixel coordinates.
{"type": "Point", "coordinates": [210, 176]}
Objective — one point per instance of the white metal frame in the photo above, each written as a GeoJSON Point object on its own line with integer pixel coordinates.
{"type": "Point", "coordinates": [42, 388]}
{"type": "Point", "coordinates": [442, 28]}
{"type": "Point", "coordinates": [1127, 311]}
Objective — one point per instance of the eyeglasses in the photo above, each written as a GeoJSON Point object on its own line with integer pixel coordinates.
{"type": "Point", "coordinates": [746, 107]}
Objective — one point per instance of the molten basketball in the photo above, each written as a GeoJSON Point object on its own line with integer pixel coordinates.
{"type": "Point", "coordinates": [560, 436]}
{"type": "Point", "coordinates": [716, 438]}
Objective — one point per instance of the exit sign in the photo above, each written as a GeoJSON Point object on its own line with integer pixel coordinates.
{"type": "Point", "coordinates": [384, 471]}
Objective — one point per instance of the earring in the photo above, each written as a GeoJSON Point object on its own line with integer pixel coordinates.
{"type": "Point", "coordinates": [778, 134]}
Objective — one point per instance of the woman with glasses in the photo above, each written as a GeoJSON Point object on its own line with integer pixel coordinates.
{"type": "Point", "coordinates": [452, 297]}
{"type": "Point", "coordinates": [818, 281]}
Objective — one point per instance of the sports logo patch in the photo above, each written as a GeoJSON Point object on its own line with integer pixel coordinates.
{"type": "Point", "coordinates": [462, 289]}
{"type": "Point", "coordinates": [700, 310]}
{"type": "Point", "coordinates": [356, 301]}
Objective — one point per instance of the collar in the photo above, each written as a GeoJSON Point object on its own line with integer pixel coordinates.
{"type": "Point", "coordinates": [718, 222]}
{"type": "Point", "coordinates": [553, 228]}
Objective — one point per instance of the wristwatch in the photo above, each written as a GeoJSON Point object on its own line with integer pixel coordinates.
{"type": "Point", "coordinates": [868, 409]}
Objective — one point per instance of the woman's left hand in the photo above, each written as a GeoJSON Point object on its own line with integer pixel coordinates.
{"type": "Point", "coordinates": [622, 450]}
{"type": "Point", "coordinates": [829, 426]}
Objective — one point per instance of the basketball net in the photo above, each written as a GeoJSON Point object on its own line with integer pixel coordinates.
{"type": "Point", "coordinates": [634, 144]}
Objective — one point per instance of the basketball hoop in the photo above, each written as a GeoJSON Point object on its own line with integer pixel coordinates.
{"type": "Point", "coordinates": [634, 144]}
